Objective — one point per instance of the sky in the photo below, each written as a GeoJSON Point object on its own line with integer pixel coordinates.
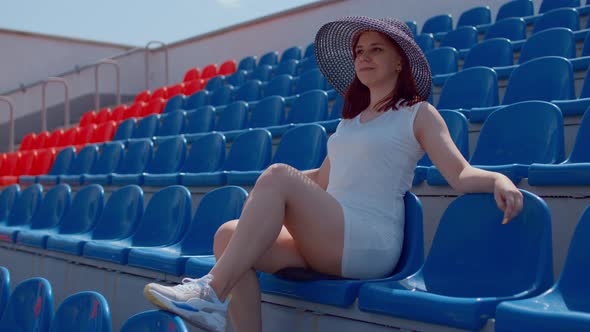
{"type": "Point", "coordinates": [134, 22]}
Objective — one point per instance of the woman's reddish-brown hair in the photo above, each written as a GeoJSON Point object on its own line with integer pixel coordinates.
{"type": "Point", "coordinates": [357, 96]}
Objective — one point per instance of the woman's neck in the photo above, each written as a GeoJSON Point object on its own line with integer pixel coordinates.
{"type": "Point", "coordinates": [378, 94]}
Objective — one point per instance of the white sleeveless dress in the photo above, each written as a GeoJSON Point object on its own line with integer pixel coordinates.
{"type": "Point", "coordinates": [371, 167]}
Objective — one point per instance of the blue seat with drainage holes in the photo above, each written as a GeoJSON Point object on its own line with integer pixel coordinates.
{"type": "Point", "coordinates": [174, 104]}
{"type": "Point", "coordinates": [513, 28]}
{"type": "Point", "coordinates": [107, 162]}
{"type": "Point", "coordinates": [561, 40]}
{"type": "Point", "coordinates": [172, 124]}
{"type": "Point", "coordinates": [437, 24]}
{"type": "Point", "coordinates": [280, 85]}
{"type": "Point", "coordinates": [80, 165]}
{"type": "Point", "coordinates": [558, 18]}
{"type": "Point", "coordinates": [23, 210]}
{"type": "Point", "coordinates": [215, 208]}
{"type": "Point", "coordinates": [198, 99]}
{"type": "Point", "coordinates": [80, 217]}
{"type": "Point", "coordinates": [475, 16]}
{"type": "Point", "coordinates": [442, 60]}
{"type": "Point", "coordinates": [200, 120]}
{"type": "Point", "coordinates": [269, 111]}
{"type": "Point", "coordinates": [469, 88]}
{"type": "Point", "coordinates": [84, 311]}
{"type": "Point", "coordinates": [249, 91]}
{"type": "Point", "coordinates": [515, 8]}
{"type": "Point", "coordinates": [461, 38]}
{"type": "Point", "coordinates": [154, 321]}
{"type": "Point", "coordinates": [125, 130]}
{"type": "Point", "coordinates": [495, 52]}
{"type": "Point", "coordinates": [308, 107]}
{"type": "Point", "coordinates": [133, 161]}
{"type": "Point", "coordinates": [464, 292]}
{"type": "Point", "coordinates": [163, 223]}
{"type": "Point", "coordinates": [29, 308]}
{"type": "Point", "coordinates": [60, 166]}
{"type": "Point", "coordinates": [548, 5]}
{"type": "Point", "coordinates": [147, 127]}
{"type": "Point", "coordinates": [310, 80]}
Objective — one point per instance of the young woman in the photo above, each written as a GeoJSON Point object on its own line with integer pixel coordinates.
{"type": "Point", "coordinates": [347, 217]}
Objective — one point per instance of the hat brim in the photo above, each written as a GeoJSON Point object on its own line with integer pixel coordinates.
{"type": "Point", "coordinates": [333, 50]}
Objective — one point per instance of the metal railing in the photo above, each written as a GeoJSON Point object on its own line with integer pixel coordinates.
{"type": "Point", "coordinates": [118, 82]}
{"type": "Point", "coordinates": [10, 103]}
{"type": "Point", "coordinates": [147, 62]}
{"type": "Point", "coordinates": [44, 102]}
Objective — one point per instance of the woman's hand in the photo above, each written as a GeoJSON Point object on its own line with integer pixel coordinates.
{"type": "Point", "coordinates": [508, 197]}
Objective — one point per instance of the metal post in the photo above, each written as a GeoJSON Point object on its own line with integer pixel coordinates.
{"type": "Point", "coordinates": [44, 104]}
{"type": "Point", "coordinates": [10, 103]}
{"type": "Point", "coordinates": [118, 73]}
{"type": "Point", "coordinates": [147, 62]}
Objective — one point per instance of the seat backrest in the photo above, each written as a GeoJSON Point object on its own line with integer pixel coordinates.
{"type": "Point", "coordinates": [425, 41]}
{"type": "Point", "coordinates": [192, 87]}
{"type": "Point", "coordinates": [561, 40]}
{"type": "Point", "coordinates": [307, 64]}
{"type": "Point", "coordinates": [215, 208]}
{"type": "Point", "coordinates": [136, 158]}
{"type": "Point", "coordinates": [135, 110]}
{"type": "Point", "coordinates": [84, 210]}
{"type": "Point", "coordinates": [413, 27]}
{"type": "Point", "coordinates": [495, 52]}
{"type": "Point", "coordinates": [147, 127]}
{"type": "Point", "coordinates": [8, 197]}
{"type": "Point", "coordinates": [459, 131]}
{"type": "Point", "coordinates": [513, 28]}
{"type": "Point", "coordinates": [232, 117]}
{"type": "Point", "coordinates": [250, 151]}
{"type": "Point", "coordinates": [154, 321]}
{"type": "Point", "coordinates": [558, 18]}
{"type": "Point", "coordinates": [84, 160]}
{"type": "Point", "coordinates": [238, 78]}
{"type": "Point", "coordinates": [206, 154]}
{"type": "Point", "coordinates": [69, 137]}
{"type": "Point", "coordinates": [475, 16]}
{"type": "Point", "coordinates": [25, 206]}
{"type": "Point", "coordinates": [192, 74]}
{"type": "Point", "coordinates": [25, 162]}
{"type": "Point", "coordinates": [197, 99]}
{"type": "Point", "coordinates": [145, 95]}
{"type": "Point", "coordinates": [215, 83]}
{"type": "Point", "coordinates": [439, 23]}
{"type": "Point", "coordinates": [30, 307]}
{"type": "Point", "coordinates": [156, 106]}
{"type": "Point", "coordinates": [120, 214]}
{"type": "Point", "coordinates": [412, 255]}
{"type": "Point", "coordinates": [209, 71]}
{"type": "Point", "coordinates": [461, 38]}
{"type": "Point", "coordinates": [518, 253]}
{"type": "Point", "coordinates": [581, 149]}
{"type": "Point", "coordinates": [280, 85]}
{"type": "Point", "coordinates": [442, 60]}
{"type": "Point", "coordinates": [292, 53]}
{"type": "Point", "coordinates": [125, 130]}
{"type": "Point", "coordinates": [40, 140]}
{"type": "Point", "coordinates": [53, 207]}
{"type": "Point", "coordinates": [262, 73]}
{"type": "Point", "coordinates": [88, 118]}
{"type": "Point", "coordinates": [337, 106]}
{"type": "Point", "coordinates": [168, 156]}
{"type": "Point", "coordinates": [104, 132]}
{"type": "Point", "coordinates": [249, 91]}
{"type": "Point", "coordinates": [200, 120]}
{"type": "Point", "coordinates": [228, 67]}
{"type": "Point", "coordinates": [515, 8]}
{"type": "Point", "coordinates": [108, 159]}
{"type": "Point", "coordinates": [309, 50]}
{"type": "Point", "coordinates": [222, 95]}
{"type": "Point", "coordinates": [85, 134]}
{"type": "Point", "coordinates": [165, 218]}
{"type": "Point", "coordinates": [468, 88]}
{"type": "Point", "coordinates": [4, 288]}
{"type": "Point", "coordinates": [9, 161]}
{"type": "Point", "coordinates": [269, 111]}
{"type": "Point", "coordinates": [247, 63]}
{"type": "Point", "coordinates": [310, 80]}
{"type": "Point", "coordinates": [174, 104]}
{"type": "Point", "coordinates": [54, 138]}
{"type": "Point", "coordinates": [172, 123]}
{"type": "Point", "coordinates": [303, 147]}
{"type": "Point", "coordinates": [310, 106]}
{"type": "Point", "coordinates": [549, 5]}
{"type": "Point", "coordinates": [269, 58]}
{"type": "Point", "coordinates": [103, 115]}
{"type": "Point", "coordinates": [27, 141]}
{"type": "Point", "coordinates": [526, 132]}
{"type": "Point", "coordinates": [84, 311]}
{"type": "Point", "coordinates": [547, 78]}
{"type": "Point", "coordinates": [288, 67]}
{"type": "Point", "coordinates": [42, 161]}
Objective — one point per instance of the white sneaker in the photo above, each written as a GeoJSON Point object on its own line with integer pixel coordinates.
{"type": "Point", "coordinates": [193, 300]}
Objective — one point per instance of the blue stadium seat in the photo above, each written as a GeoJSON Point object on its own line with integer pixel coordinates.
{"type": "Point", "coordinates": [495, 52]}
{"type": "Point", "coordinates": [475, 16]}
{"type": "Point", "coordinates": [215, 83]}
{"type": "Point", "coordinates": [442, 60]}
{"type": "Point", "coordinates": [292, 53]}
{"type": "Point", "coordinates": [310, 80]}
{"type": "Point", "coordinates": [154, 321]}
{"type": "Point", "coordinates": [172, 124]}
{"type": "Point", "coordinates": [22, 212]}
{"type": "Point", "coordinates": [134, 161]}
{"type": "Point", "coordinates": [249, 91]}
{"type": "Point", "coordinates": [439, 23]}
{"type": "Point", "coordinates": [459, 130]}
{"type": "Point", "coordinates": [198, 99]}
{"type": "Point", "coordinates": [249, 151]}
{"type": "Point", "coordinates": [288, 67]}
{"type": "Point", "coordinates": [4, 288]}
{"type": "Point", "coordinates": [576, 106]}
{"type": "Point", "coordinates": [461, 38]}
{"type": "Point", "coordinates": [310, 106]}
{"type": "Point", "coordinates": [339, 292]}
{"type": "Point", "coordinates": [413, 27]}
{"type": "Point", "coordinates": [108, 160]}
{"type": "Point", "coordinates": [8, 196]}
{"type": "Point", "coordinates": [547, 5]}
{"type": "Point", "coordinates": [513, 28]}
{"type": "Point", "coordinates": [49, 213]}
{"type": "Point", "coordinates": [79, 218]}
{"type": "Point", "coordinates": [163, 222]}
{"type": "Point", "coordinates": [270, 58]}
{"type": "Point", "coordinates": [60, 166]}
{"type": "Point", "coordinates": [335, 115]}
{"type": "Point", "coordinates": [238, 78]}
{"type": "Point", "coordinates": [575, 171]}
{"type": "Point", "coordinates": [561, 40]}
{"type": "Point", "coordinates": [565, 306]}
{"type": "Point", "coordinates": [558, 18]}
{"type": "Point", "coordinates": [29, 308]}
{"type": "Point", "coordinates": [303, 147]}
{"type": "Point", "coordinates": [280, 85]}
{"type": "Point", "coordinates": [536, 127]}
{"type": "Point", "coordinates": [147, 127]}
{"type": "Point", "coordinates": [222, 95]}
{"type": "Point", "coordinates": [307, 64]}
{"type": "Point", "coordinates": [80, 165]}
{"type": "Point", "coordinates": [309, 50]}
{"type": "Point", "coordinates": [425, 41]}
{"type": "Point", "coordinates": [231, 118]}
{"type": "Point", "coordinates": [117, 221]}
{"type": "Point", "coordinates": [262, 73]}
{"type": "Point", "coordinates": [83, 311]}
{"type": "Point", "coordinates": [546, 78]}
{"type": "Point", "coordinates": [463, 293]}
{"type": "Point", "coordinates": [247, 63]}
{"type": "Point", "coordinates": [201, 120]}
{"type": "Point", "coordinates": [468, 88]}
{"type": "Point", "coordinates": [269, 111]}
{"type": "Point", "coordinates": [174, 104]}
{"type": "Point", "coordinates": [515, 8]}
{"type": "Point", "coordinates": [125, 130]}
{"type": "Point", "coordinates": [215, 208]}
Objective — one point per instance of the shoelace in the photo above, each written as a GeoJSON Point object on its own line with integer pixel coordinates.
{"type": "Point", "coordinates": [195, 286]}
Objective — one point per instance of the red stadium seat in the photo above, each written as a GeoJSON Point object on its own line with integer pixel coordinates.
{"type": "Point", "coordinates": [228, 67]}
{"type": "Point", "coordinates": [175, 89]}
{"type": "Point", "coordinates": [134, 110]}
{"type": "Point", "coordinates": [69, 137]}
{"type": "Point", "coordinates": [23, 166]}
{"type": "Point", "coordinates": [118, 113]}
{"type": "Point", "coordinates": [160, 93]}
{"type": "Point", "coordinates": [88, 118]}
{"type": "Point", "coordinates": [104, 132]}
{"type": "Point", "coordinates": [9, 163]}
{"type": "Point", "coordinates": [144, 96]}
{"type": "Point", "coordinates": [191, 75]}
{"type": "Point", "coordinates": [27, 142]}
{"type": "Point", "coordinates": [85, 135]}
{"type": "Point", "coordinates": [42, 162]}
{"type": "Point", "coordinates": [209, 71]}
{"type": "Point", "coordinates": [193, 86]}
{"type": "Point", "coordinates": [54, 138]}
{"type": "Point", "coordinates": [39, 142]}
{"type": "Point", "coordinates": [103, 116]}
{"type": "Point", "coordinates": [154, 107]}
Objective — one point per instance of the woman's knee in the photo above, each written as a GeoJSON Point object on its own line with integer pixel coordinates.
{"type": "Point", "coordinates": [223, 236]}
{"type": "Point", "coordinates": [275, 176]}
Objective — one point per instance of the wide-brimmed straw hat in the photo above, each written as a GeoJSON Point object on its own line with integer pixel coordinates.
{"type": "Point", "coordinates": [333, 50]}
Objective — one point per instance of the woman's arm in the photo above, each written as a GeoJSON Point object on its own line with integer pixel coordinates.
{"type": "Point", "coordinates": [320, 175]}
{"type": "Point", "coordinates": [433, 135]}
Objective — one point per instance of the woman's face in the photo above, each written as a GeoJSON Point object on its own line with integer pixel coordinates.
{"type": "Point", "coordinates": [377, 60]}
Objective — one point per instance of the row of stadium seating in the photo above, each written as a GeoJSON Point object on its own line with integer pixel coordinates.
{"type": "Point", "coordinates": [30, 308]}
{"type": "Point", "coordinates": [504, 274]}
